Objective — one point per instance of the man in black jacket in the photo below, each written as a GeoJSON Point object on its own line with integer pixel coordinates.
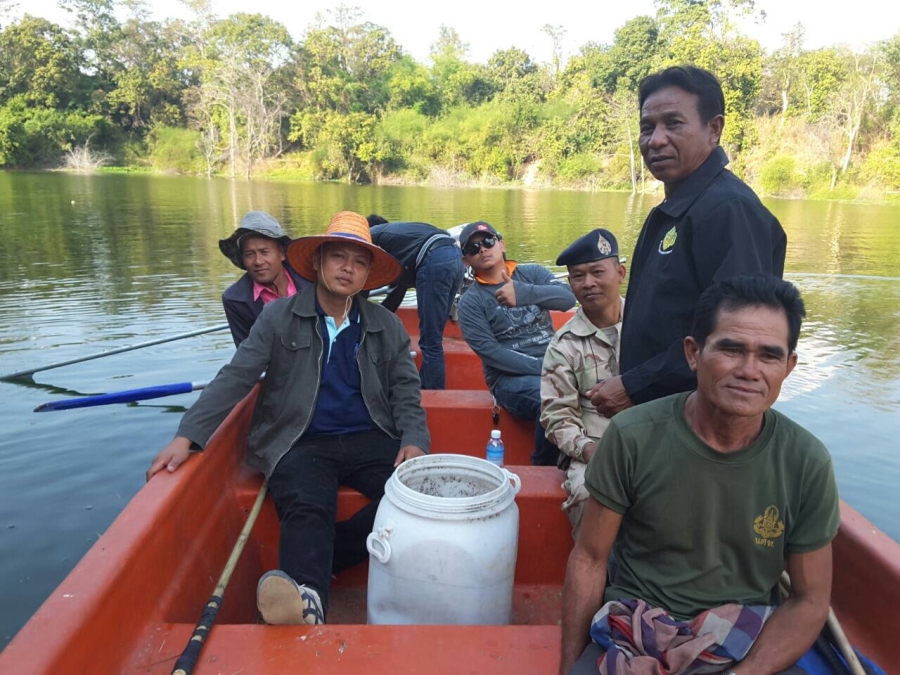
{"type": "Point", "coordinates": [710, 227]}
{"type": "Point", "coordinates": [258, 246]}
{"type": "Point", "coordinates": [432, 264]}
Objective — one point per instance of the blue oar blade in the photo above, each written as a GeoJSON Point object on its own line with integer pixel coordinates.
{"type": "Point", "coordinates": [128, 396]}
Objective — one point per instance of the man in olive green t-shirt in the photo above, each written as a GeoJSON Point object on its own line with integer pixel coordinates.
{"type": "Point", "coordinates": [706, 494]}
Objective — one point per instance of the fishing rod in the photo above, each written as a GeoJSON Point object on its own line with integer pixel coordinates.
{"type": "Point", "coordinates": [28, 373]}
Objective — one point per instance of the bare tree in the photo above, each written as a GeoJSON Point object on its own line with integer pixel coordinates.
{"type": "Point", "coordinates": [556, 34]}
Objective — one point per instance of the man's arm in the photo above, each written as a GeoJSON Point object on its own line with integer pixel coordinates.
{"type": "Point", "coordinates": [541, 288]}
{"type": "Point", "coordinates": [478, 335]}
{"type": "Point", "coordinates": [405, 397]}
{"type": "Point", "coordinates": [738, 237]}
{"type": "Point", "coordinates": [793, 628]}
{"type": "Point", "coordinates": [232, 383]}
{"type": "Point", "coordinates": [238, 321]}
{"type": "Point", "coordinates": [586, 579]}
{"type": "Point", "coordinates": [395, 297]}
{"type": "Point", "coordinates": [561, 405]}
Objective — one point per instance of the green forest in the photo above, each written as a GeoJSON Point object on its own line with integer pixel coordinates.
{"type": "Point", "coordinates": [238, 96]}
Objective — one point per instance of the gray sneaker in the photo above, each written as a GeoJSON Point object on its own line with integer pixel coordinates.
{"type": "Point", "coordinates": [282, 601]}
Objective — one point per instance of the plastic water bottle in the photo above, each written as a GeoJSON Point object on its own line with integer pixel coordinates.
{"type": "Point", "coordinates": [495, 448]}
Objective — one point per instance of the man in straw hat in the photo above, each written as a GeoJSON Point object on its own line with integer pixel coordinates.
{"type": "Point", "coordinates": [258, 247]}
{"type": "Point", "coordinates": [340, 404]}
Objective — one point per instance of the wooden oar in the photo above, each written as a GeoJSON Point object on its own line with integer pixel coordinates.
{"type": "Point", "coordinates": [126, 396]}
{"type": "Point", "coordinates": [188, 659]}
{"type": "Point", "coordinates": [129, 395]}
{"type": "Point", "coordinates": [28, 373]}
{"type": "Point", "coordinates": [837, 630]}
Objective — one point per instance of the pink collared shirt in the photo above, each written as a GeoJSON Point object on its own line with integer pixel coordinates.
{"type": "Point", "coordinates": [267, 294]}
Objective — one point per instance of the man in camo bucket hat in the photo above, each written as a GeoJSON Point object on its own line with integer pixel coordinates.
{"type": "Point", "coordinates": [258, 247]}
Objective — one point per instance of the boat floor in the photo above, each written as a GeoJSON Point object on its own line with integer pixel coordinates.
{"type": "Point", "coordinates": [332, 649]}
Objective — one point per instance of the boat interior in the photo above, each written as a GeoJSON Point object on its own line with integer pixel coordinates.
{"type": "Point", "coordinates": [132, 603]}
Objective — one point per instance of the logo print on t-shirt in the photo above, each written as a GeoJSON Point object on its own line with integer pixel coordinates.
{"type": "Point", "coordinates": [768, 526]}
{"type": "Point", "coordinates": [665, 246]}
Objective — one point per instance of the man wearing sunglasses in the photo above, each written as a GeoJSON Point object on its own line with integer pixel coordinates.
{"type": "Point", "coordinates": [505, 319]}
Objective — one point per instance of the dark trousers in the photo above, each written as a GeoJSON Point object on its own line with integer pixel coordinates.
{"type": "Point", "coordinates": [520, 395]}
{"type": "Point", "coordinates": [437, 283]}
{"type": "Point", "coordinates": [304, 488]}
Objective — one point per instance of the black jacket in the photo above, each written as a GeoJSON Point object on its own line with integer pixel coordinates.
{"type": "Point", "coordinates": [404, 241]}
{"type": "Point", "coordinates": [713, 227]}
{"type": "Point", "coordinates": [241, 309]}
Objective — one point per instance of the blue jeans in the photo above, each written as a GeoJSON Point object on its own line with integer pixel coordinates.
{"type": "Point", "coordinates": [304, 488]}
{"type": "Point", "coordinates": [520, 395]}
{"type": "Point", "coordinates": [437, 283]}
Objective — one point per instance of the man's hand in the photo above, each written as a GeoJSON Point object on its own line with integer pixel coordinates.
{"type": "Point", "coordinates": [506, 294]}
{"type": "Point", "coordinates": [588, 451]}
{"type": "Point", "coordinates": [610, 397]}
{"type": "Point", "coordinates": [170, 457]}
{"type": "Point", "coordinates": [407, 452]}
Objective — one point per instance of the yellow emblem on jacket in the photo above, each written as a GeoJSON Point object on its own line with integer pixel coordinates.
{"type": "Point", "coordinates": [768, 526]}
{"type": "Point", "coordinates": [665, 246]}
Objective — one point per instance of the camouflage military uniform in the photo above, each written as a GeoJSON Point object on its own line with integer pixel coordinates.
{"type": "Point", "coordinates": [579, 356]}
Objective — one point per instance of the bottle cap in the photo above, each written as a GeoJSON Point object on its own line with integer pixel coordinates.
{"type": "Point", "coordinates": [495, 433]}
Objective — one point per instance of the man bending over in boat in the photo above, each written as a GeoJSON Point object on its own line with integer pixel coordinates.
{"type": "Point", "coordinates": [582, 354]}
{"type": "Point", "coordinates": [706, 495]}
{"type": "Point", "coordinates": [433, 266]}
{"type": "Point", "coordinates": [340, 404]}
{"type": "Point", "coordinates": [505, 319]}
{"type": "Point", "coordinates": [258, 247]}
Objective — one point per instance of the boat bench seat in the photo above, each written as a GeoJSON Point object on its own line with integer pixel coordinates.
{"type": "Point", "coordinates": [455, 417]}
{"type": "Point", "coordinates": [543, 526]}
{"type": "Point", "coordinates": [463, 367]}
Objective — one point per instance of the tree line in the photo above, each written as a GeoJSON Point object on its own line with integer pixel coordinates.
{"type": "Point", "coordinates": [238, 96]}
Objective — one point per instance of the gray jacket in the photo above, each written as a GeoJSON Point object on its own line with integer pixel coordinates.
{"type": "Point", "coordinates": [285, 342]}
{"type": "Point", "coordinates": [512, 340]}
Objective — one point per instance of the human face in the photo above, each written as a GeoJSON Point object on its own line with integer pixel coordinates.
{"type": "Point", "coordinates": [343, 268]}
{"type": "Point", "coordinates": [674, 141]}
{"type": "Point", "coordinates": [486, 258]}
{"type": "Point", "coordinates": [263, 258]}
{"type": "Point", "coordinates": [596, 284]}
{"type": "Point", "coordinates": [744, 361]}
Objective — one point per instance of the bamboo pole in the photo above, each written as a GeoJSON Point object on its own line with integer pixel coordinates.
{"type": "Point", "coordinates": [837, 630]}
{"type": "Point", "coordinates": [188, 659]}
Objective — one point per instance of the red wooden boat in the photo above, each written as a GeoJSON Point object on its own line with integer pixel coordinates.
{"type": "Point", "coordinates": [132, 602]}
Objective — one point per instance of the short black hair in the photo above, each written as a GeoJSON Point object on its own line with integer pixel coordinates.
{"type": "Point", "coordinates": [697, 81]}
{"type": "Point", "coordinates": [374, 219]}
{"type": "Point", "coordinates": [749, 290]}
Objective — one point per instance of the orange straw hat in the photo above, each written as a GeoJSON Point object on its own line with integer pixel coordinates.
{"type": "Point", "coordinates": [345, 227]}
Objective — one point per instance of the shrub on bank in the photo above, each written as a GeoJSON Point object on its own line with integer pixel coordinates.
{"type": "Point", "coordinates": [176, 150]}
{"type": "Point", "coordinates": [778, 176]}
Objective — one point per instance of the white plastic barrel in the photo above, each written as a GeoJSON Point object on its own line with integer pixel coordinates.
{"type": "Point", "coordinates": [443, 548]}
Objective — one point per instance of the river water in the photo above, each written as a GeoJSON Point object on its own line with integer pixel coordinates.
{"type": "Point", "coordinates": [90, 263]}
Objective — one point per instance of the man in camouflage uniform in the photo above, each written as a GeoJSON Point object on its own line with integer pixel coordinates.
{"type": "Point", "coordinates": [583, 353]}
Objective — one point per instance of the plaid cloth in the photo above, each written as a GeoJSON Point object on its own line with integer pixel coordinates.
{"type": "Point", "coordinates": [640, 640]}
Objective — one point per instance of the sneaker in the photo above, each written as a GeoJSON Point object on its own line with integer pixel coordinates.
{"type": "Point", "coordinates": [282, 601]}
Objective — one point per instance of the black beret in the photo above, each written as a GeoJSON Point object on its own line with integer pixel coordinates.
{"type": "Point", "coordinates": [597, 244]}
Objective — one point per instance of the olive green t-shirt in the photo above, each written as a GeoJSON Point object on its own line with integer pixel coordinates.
{"type": "Point", "coordinates": [702, 528]}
